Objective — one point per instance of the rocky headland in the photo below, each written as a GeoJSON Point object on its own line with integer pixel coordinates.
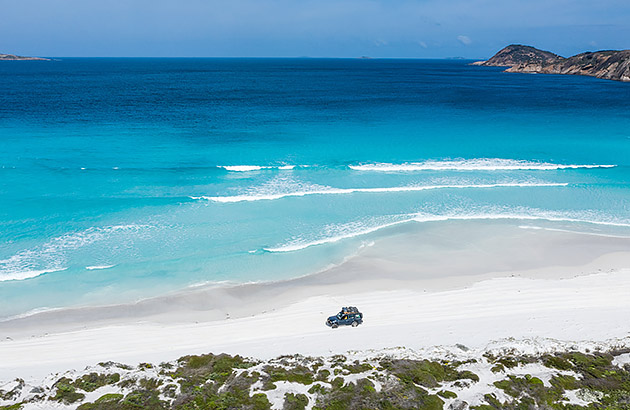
{"type": "Point", "coordinates": [12, 57]}
{"type": "Point", "coordinates": [608, 65]}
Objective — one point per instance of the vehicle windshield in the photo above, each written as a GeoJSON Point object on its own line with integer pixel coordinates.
{"type": "Point", "coordinates": [338, 315]}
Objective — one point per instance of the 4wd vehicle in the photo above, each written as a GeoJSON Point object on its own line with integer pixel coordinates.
{"type": "Point", "coordinates": [348, 316]}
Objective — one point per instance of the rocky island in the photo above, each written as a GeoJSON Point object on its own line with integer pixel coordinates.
{"type": "Point", "coordinates": [12, 57]}
{"type": "Point", "coordinates": [608, 65]}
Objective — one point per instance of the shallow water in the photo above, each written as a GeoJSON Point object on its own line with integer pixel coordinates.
{"type": "Point", "coordinates": [129, 178]}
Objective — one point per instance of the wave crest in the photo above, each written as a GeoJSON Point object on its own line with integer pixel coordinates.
{"type": "Point", "coordinates": [52, 256]}
{"type": "Point", "coordinates": [345, 191]}
{"type": "Point", "coordinates": [479, 164]}
{"type": "Point", "coordinates": [249, 168]}
{"type": "Point", "coordinates": [347, 231]}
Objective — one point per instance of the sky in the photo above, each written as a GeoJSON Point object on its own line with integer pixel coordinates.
{"type": "Point", "coordinates": [473, 29]}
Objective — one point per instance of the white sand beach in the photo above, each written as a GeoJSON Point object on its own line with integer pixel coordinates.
{"type": "Point", "coordinates": [417, 289]}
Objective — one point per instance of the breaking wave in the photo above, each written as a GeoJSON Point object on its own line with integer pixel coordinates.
{"type": "Point", "coordinates": [52, 256]}
{"type": "Point", "coordinates": [342, 191]}
{"type": "Point", "coordinates": [99, 267]}
{"type": "Point", "coordinates": [480, 164]}
{"type": "Point", "coordinates": [27, 274]}
{"type": "Point", "coordinates": [346, 231]}
{"type": "Point", "coordinates": [249, 168]}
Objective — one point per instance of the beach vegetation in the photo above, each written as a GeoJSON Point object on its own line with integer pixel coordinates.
{"type": "Point", "coordinates": [362, 394]}
{"type": "Point", "coordinates": [564, 382]}
{"type": "Point", "coordinates": [16, 406]}
{"type": "Point", "coordinates": [447, 394]}
{"type": "Point", "coordinates": [337, 382]}
{"type": "Point", "coordinates": [556, 362]}
{"type": "Point", "coordinates": [105, 402]}
{"type": "Point", "coordinates": [93, 381]}
{"type": "Point", "coordinates": [298, 374]}
{"type": "Point", "coordinates": [170, 390]}
{"type": "Point", "coordinates": [338, 359]}
{"type": "Point", "coordinates": [111, 397]}
{"type": "Point", "coordinates": [322, 375]}
{"type": "Point", "coordinates": [66, 392]}
{"type": "Point", "coordinates": [142, 399]}
{"type": "Point", "coordinates": [268, 385]}
{"type": "Point", "coordinates": [295, 401]}
{"type": "Point", "coordinates": [196, 370]}
{"type": "Point", "coordinates": [426, 373]}
{"type": "Point", "coordinates": [150, 384]}
{"type": "Point", "coordinates": [14, 392]}
{"type": "Point", "coordinates": [357, 367]}
{"type": "Point", "coordinates": [223, 382]}
{"type": "Point", "coordinates": [110, 364]}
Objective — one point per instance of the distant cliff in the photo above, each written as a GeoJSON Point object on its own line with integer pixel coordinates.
{"type": "Point", "coordinates": [14, 57]}
{"type": "Point", "coordinates": [608, 65]}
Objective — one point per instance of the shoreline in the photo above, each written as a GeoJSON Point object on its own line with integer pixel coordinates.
{"type": "Point", "coordinates": [555, 285]}
{"type": "Point", "coordinates": [510, 309]}
{"type": "Point", "coordinates": [433, 256]}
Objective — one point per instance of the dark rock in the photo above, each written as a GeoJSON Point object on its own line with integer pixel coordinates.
{"type": "Point", "coordinates": [516, 54]}
{"type": "Point", "coordinates": [608, 65]}
{"type": "Point", "coordinates": [14, 57]}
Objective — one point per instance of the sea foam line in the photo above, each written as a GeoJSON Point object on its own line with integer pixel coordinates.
{"type": "Point", "coordinates": [481, 164]}
{"type": "Point", "coordinates": [333, 239]}
{"type": "Point", "coordinates": [27, 274]}
{"type": "Point", "coordinates": [249, 168]}
{"type": "Point", "coordinates": [51, 256]}
{"type": "Point", "coordinates": [99, 267]}
{"type": "Point", "coordinates": [421, 218]}
{"type": "Point", "coordinates": [342, 191]}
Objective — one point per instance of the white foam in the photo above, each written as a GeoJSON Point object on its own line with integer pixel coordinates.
{"type": "Point", "coordinates": [479, 164]}
{"type": "Point", "coordinates": [52, 256]}
{"type": "Point", "coordinates": [421, 218]}
{"type": "Point", "coordinates": [343, 191]}
{"type": "Point", "coordinates": [303, 245]}
{"type": "Point", "coordinates": [249, 168]}
{"type": "Point", "coordinates": [29, 274]}
{"type": "Point", "coordinates": [97, 267]}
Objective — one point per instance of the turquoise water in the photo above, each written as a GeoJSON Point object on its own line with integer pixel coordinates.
{"type": "Point", "coordinates": [123, 179]}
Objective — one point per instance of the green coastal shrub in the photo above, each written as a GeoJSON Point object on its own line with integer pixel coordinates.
{"type": "Point", "coordinates": [447, 394]}
{"type": "Point", "coordinates": [66, 392]}
{"type": "Point", "coordinates": [426, 373]}
{"type": "Point", "coordinates": [298, 374]}
{"type": "Point", "coordinates": [93, 381]}
{"type": "Point", "coordinates": [295, 401]}
{"type": "Point", "coordinates": [110, 398]}
{"type": "Point", "coordinates": [16, 406]}
{"type": "Point", "coordinates": [557, 362]}
{"type": "Point", "coordinates": [357, 367]}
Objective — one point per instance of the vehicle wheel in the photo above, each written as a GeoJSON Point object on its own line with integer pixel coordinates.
{"type": "Point", "coordinates": [355, 324]}
{"type": "Point", "coordinates": [335, 326]}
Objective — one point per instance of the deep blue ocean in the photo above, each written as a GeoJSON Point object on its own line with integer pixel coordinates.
{"type": "Point", "coordinates": [123, 179]}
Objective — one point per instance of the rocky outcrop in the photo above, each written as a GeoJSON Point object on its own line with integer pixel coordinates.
{"type": "Point", "coordinates": [608, 65]}
{"type": "Point", "coordinates": [516, 54]}
{"type": "Point", "coordinates": [14, 57]}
